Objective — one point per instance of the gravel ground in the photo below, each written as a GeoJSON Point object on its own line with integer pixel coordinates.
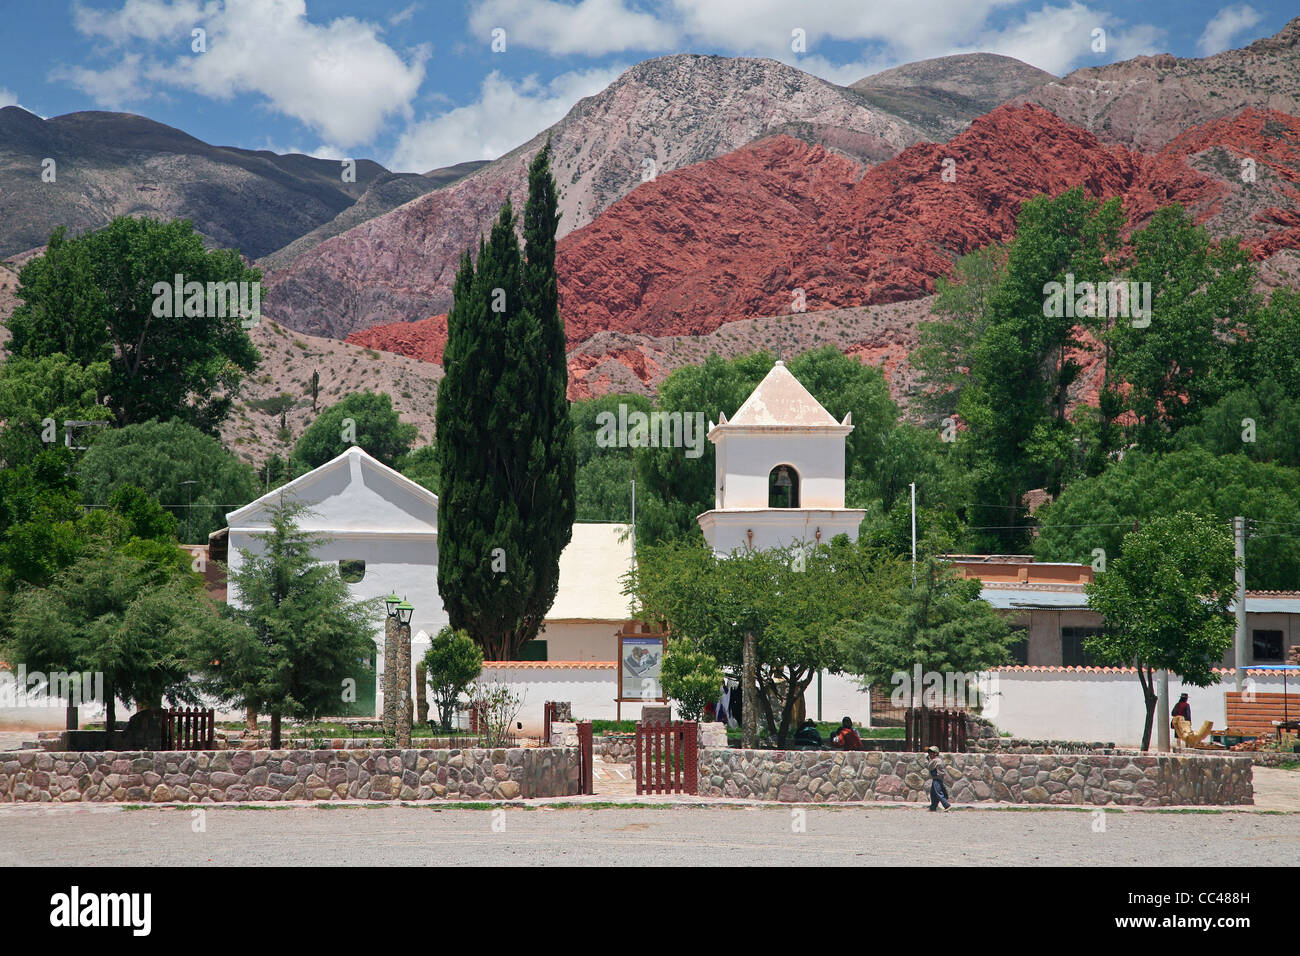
{"type": "Point", "coordinates": [662, 835]}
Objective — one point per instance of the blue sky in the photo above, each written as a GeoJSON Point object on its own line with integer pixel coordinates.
{"type": "Point", "coordinates": [416, 84]}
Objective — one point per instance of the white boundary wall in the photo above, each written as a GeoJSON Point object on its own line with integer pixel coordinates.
{"type": "Point", "coordinates": [1096, 704]}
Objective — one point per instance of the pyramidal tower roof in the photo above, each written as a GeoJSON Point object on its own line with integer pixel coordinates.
{"type": "Point", "coordinates": [781, 401]}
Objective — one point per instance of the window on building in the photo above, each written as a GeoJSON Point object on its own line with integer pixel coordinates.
{"type": "Point", "coordinates": [783, 487]}
{"type": "Point", "coordinates": [533, 651]}
{"type": "Point", "coordinates": [1266, 646]}
{"type": "Point", "coordinates": [352, 571]}
{"type": "Point", "coordinates": [1072, 641]}
{"type": "Point", "coordinates": [1019, 644]}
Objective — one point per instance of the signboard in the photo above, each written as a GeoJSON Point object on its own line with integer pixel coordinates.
{"type": "Point", "coordinates": [640, 657]}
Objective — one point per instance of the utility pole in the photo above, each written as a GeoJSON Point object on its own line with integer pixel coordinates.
{"type": "Point", "coordinates": [1239, 538]}
{"type": "Point", "coordinates": [913, 487]}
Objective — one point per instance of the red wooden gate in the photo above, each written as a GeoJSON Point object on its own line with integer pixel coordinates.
{"type": "Point", "coordinates": [189, 728]}
{"type": "Point", "coordinates": [667, 757]}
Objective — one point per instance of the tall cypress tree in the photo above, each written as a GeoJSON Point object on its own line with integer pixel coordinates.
{"type": "Point", "coordinates": [505, 445]}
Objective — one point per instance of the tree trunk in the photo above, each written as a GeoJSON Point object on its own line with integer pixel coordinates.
{"type": "Point", "coordinates": [275, 730]}
{"type": "Point", "coordinates": [421, 696]}
{"type": "Point", "coordinates": [748, 703]}
{"type": "Point", "coordinates": [110, 712]}
{"type": "Point", "coordinates": [1146, 679]}
{"type": "Point", "coordinates": [250, 720]}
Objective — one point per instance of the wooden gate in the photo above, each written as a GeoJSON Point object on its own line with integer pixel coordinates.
{"type": "Point", "coordinates": [189, 728]}
{"type": "Point", "coordinates": [667, 757]}
{"type": "Point", "coordinates": [926, 727]}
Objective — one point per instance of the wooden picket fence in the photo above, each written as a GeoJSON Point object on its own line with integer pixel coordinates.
{"type": "Point", "coordinates": [586, 755]}
{"type": "Point", "coordinates": [667, 757]}
{"type": "Point", "coordinates": [189, 728]}
{"type": "Point", "coordinates": [926, 727]}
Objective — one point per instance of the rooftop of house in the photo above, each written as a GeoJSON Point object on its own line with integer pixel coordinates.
{"type": "Point", "coordinates": [781, 401]}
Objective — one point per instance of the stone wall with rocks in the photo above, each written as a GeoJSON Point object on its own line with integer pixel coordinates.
{"type": "Point", "coordinates": [275, 775]}
{"type": "Point", "coordinates": [1020, 745]}
{"type": "Point", "coordinates": [1082, 779]}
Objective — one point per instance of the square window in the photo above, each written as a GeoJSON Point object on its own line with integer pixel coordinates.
{"type": "Point", "coordinates": [1266, 646]}
{"type": "Point", "coordinates": [1072, 641]}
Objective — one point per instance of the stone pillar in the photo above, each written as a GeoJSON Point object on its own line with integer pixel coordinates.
{"type": "Point", "coordinates": [402, 690]}
{"type": "Point", "coordinates": [421, 698]}
{"type": "Point", "coordinates": [390, 675]}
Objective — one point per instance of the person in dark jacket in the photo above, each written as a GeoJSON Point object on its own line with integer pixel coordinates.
{"type": "Point", "coordinates": [938, 792]}
{"type": "Point", "coordinates": [1182, 709]}
{"type": "Point", "coordinates": [846, 738]}
{"type": "Point", "coordinates": [807, 737]}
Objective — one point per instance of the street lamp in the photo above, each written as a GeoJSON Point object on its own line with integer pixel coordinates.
{"type": "Point", "coordinates": [404, 611]}
{"type": "Point", "coordinates": [391, 603]}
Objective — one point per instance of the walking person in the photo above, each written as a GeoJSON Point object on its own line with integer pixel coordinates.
{"type": "Point", "coordinates": [938, 792]}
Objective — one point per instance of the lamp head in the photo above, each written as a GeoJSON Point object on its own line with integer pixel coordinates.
{"type": "Point", "coordinates": [404, 611]}
{"type": "Point", "coordinates": [391, 603]}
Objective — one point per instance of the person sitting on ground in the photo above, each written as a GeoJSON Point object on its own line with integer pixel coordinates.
{"type": "Point", "coordinates": [807, 735]}
{"type": "Point", "coordinates": [846, 738]}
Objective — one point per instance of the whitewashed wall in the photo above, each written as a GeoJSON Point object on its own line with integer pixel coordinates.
{"type": "Point", "coordinates": [1095, 705]}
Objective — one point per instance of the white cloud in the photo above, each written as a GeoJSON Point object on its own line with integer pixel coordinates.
{"type": "Point", "coordinates": [339, 79]}
{"type": "Point", "coordinates": [7, 97]}
{"type": "Point", "coordinates": [1225, 26]}
{"type": "Point", "coordinates": [505, 115]}
{"type": "Point", "coordinates": [588, 27]}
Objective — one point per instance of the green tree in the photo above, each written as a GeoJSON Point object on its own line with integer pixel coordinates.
{"type": "Point", "coordinates": [452, 662]}
{"type": "Point", "coordinates": [941, 624]}
{"type": "Point", "coordinates": [690, 677]}
{"type": "Point", "coordinates": [1202, 296]}
{"type": "Point", "coordinates": [119, 615]}
{"type": "Point", "coordinates": [301, 633]}
{"type": "Point", "coordinates": [365, 419]}
{"type": "Point", "coordinates": [1165, 601]}
{"type": "Point", "coordinates": [1096, 513]}
{"type": "Point", "coordinates": [190, 473]}
{"type": "Point", "coordinates": [791, 599]}
{"type": "Point", "coordinates": [505, 443]}
{"type": "Point", "coordinates": [603, 481]}
{"type": "Point", "coordinates": [37, 395]}
{"type": "Point", "coordinates": [421, 466]}
{"type": "Point", "coordinates": [94, 299]}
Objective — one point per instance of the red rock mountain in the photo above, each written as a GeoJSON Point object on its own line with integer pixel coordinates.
{"type": "Point", "coordinates": [733, 238]}
{"type": "Point", "coordinates": [671, 112]}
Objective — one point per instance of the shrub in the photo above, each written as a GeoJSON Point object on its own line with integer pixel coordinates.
{"type": "Point", "coordinates": [452, 662]}
{"type": "Point", "coordinates": [690, 677]}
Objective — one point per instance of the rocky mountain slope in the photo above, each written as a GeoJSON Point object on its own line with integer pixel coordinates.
{"type": "Point", "coordinates": [661, 115]}
{"type": "Point", "coordinates": [114, 164]}
{"type": "Point", "coordinates": [942, 95]}
{"type": "Point", "coordinates": [1147, 102]}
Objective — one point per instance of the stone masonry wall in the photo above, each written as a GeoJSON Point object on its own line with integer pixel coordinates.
{"type": "Point", "coordinates": [274, 775]}
{"type": "Point", "coordinates": [1079, 779]}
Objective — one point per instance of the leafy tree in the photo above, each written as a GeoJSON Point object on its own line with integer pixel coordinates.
{"type": "Point", "coordinates": [374, 427]}
{"type": "Point", "coordinates": [792, 600]}
{"type": "Point", "coordinates": [92, 298]}
{"type": "Point", "coordinates": [189, 472]}
{"type": "Point", "coordinates": [1098, 512]}
{"type": "Point", "coordinates": [421, 466]}
{"type": "Point", "coordinates": [941, 624]}
{"type": "Point", "coordinates": [35, 390]}
{"type": "Point", "coordinates": [119, 615]}
{"type": "Point", "coordinates": [505, 443]}
{"type": "Point", "coordinates": [1165, 601]}
{"type": "Point", "coordinates": [603, 481]}
{"type": "Point", "coordinates": [452, 662]}
{"type": "Point", "coordinates": [1201, 298]}
{"type": "Point", "coordinates": [690, 677]}
{"type": "Point", "coordinates": [40, 506]}
{"type": "Point", "coordinates": [301, 632]}
{"type": "Point", "coordinates": [1260, 422]}
{"type": "Point", "coordinates": [944, 346]}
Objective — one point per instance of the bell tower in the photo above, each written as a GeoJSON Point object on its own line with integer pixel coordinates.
{"type": "Point", "coordinates": [780, 471]}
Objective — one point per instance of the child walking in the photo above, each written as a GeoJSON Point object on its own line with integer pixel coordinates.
{"type": "Point", "coordinates": [938, 792]}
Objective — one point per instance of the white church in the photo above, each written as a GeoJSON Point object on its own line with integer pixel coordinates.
{"type": "Point", "coordinates": [780, 481]}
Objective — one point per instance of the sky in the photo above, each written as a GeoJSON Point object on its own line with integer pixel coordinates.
{"type": "Point", "coordinates": [419, 84]}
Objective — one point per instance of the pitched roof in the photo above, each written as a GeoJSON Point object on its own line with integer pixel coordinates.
{"type": "Point", "coordinates": [781, 399]}
{"type": "Point", "coordinates": [592, 566]}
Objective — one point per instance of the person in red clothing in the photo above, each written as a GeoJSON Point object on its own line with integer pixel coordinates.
{"type": "Point", "coordinates": [1182, 709]}
{"type": "Point", "coordinates": [846, 738]}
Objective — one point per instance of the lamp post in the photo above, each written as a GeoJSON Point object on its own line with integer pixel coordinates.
{"type": "Point", "coordinates": [390, 664]}
{"type": "Point", "coordinates": [405, 708]}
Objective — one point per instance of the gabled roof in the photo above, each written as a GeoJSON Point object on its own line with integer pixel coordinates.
{"type": "Point", "coordinates": [781, 400]}
{"type": "Point", "coordinates": [592, 566]}
{"type": "Point", "coordinates": [352, 492]}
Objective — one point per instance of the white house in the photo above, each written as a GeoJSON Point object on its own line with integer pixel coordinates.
{"type": "Point", "coordinates": [780, 471]}
{"type": "Point", "coordinates": [382, 529]}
